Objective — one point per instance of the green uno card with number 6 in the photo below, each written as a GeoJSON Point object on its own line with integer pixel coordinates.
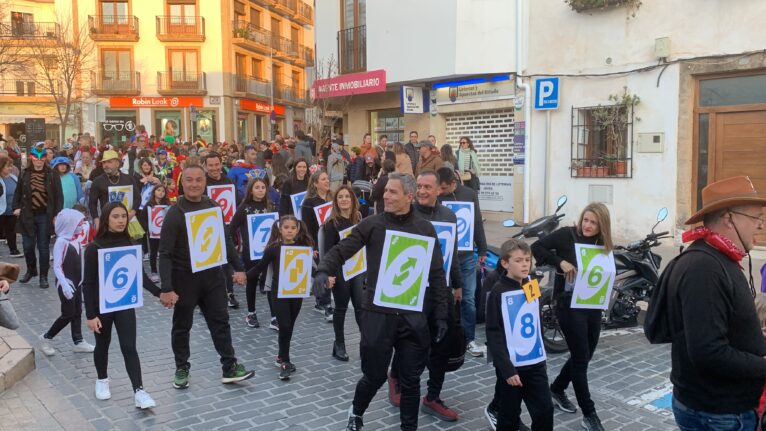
{"type": "Point", "coordinates": [595, 277]}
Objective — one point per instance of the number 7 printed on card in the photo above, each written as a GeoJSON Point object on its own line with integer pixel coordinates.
{"type": "Point", "coordinates": [259, 230]}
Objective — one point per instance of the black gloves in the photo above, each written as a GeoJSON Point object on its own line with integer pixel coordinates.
{"type": "Point", "coordinates": [320, 281]}
{"type": "Point", "coordinates": [441, 330]}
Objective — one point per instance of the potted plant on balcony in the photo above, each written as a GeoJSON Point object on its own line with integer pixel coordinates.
{"type": "Point", "coordinates": [587, 5]}
{"type": "Point", "coordinates": [614, 120]}
{"type": "Point", "coordinates": [577, 168]}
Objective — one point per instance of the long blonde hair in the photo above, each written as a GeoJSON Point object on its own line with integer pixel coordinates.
{"type": "Point", "coordinates": [311, 189]}
{"type": "Point", "coordinates": [604, 223]}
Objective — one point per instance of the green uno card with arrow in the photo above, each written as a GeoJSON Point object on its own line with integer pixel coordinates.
{"type": "Point", "coordinates": [404, 267]}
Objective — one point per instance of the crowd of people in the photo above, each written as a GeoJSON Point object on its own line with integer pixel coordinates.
{"type": "Point", "coordinates": [94, 198]}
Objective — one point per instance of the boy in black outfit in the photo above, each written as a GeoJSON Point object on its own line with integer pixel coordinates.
{"type": "Point", "coordinates": [515, 344]}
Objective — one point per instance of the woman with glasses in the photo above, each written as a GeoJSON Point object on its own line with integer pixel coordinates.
{"type": "Point", "coordinates": [468, 164]}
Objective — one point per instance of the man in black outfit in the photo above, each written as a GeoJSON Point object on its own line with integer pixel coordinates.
{"type": "Point", "coordinates": [184, 290]}
{"type": "Point", "coordinates": [214, 175]}
{"type": "Point", "coordinates": [427, 207]}
{"type": "Point", "coordinates": [718, 365]}
{"type": "Point", "coordinates": [112, 177]}
{"type": "Point", "coordinates": [384, 329]}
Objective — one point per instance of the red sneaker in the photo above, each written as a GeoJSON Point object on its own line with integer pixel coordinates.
{"type": "Point", "coordinates": [438, 409]}
{"type": "Point", "coordinates": [394, 394]}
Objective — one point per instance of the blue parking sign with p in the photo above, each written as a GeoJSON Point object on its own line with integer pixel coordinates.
{"type": "Point", "coordinates": [547, 93]}
{"type": "Point", "coordinates": [521, 320]}
{"type": "Point", "coordinates": [120, 278]}
{"type": "Point", "coordinates": [258, 230]}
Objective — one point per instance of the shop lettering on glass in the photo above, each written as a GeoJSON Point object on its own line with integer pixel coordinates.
{"type": "Point", "coordinates": [118, 125]}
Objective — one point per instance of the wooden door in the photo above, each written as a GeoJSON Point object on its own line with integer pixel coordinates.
{"type": "Point", "coordinates": [740, 149]}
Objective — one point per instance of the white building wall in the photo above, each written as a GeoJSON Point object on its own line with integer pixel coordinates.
{"type": "Point", "coordinates": [327, 19]}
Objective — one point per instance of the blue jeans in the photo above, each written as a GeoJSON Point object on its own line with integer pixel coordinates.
{"type": "Point", "coordinates": [41, 238]}
{"type": "Point", "coordinates": [468, 303]}
{"type": "Point", "coordinates": [694, 420]}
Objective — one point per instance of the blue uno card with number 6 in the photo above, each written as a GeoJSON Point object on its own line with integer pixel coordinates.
{"type": "Point", "coordinates": [258, 230]}
{"type": "Point", "coordinates": [119, 278]}
{"type": "Point", "coordinates": [521, 320]}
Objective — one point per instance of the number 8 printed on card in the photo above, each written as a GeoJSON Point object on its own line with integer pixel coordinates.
{"type": "Point", "coordinates": [521, 321]}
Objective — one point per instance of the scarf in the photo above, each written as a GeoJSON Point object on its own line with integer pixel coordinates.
{"type": "Point", "coordinates": [717, 241]}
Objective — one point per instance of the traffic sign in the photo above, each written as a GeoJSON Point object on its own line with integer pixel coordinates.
{"type": "Point", "coordinates": [547, 93]}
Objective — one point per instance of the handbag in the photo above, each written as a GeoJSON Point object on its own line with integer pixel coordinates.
{"type": "Point", "coordinates": [135, 230]}
{"type": "Point", "coordinates": [8, 318]}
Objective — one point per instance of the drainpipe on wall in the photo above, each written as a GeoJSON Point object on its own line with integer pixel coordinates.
{"type": "Point", "coordinates": [527, 109]}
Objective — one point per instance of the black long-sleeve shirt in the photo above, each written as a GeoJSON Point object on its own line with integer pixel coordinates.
{"type": "Point", "coordinates": [99, 192]}
{"type": "Point", "coordinates": [174, 245]}
{"type": "Point", "coordinates": [291, 187]}
{"type": "Point", "coordinates": [377, 193]}
{"type": "Point", "coordinates": [90, 279]}
{"type": "Point", "coordinates": [466, 194]}
{"type": "Point", "coordinates": [557, 247]}
{"type": "Point", "coordinates": [271, 255]}
{"type": "Point", "coordinates": [440, 213]}
{"type": "Point", "coordinates": [238, 225]}
{"type": "Point", "coordinates": [371, 232]}
{"type": "Point", "coordinates": [718, 350]}
{"type": "Point", "coordinates": [308, 216]}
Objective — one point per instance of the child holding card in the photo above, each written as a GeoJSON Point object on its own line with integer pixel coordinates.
{"type": "Point", "coordinates": [318, 193]}
{"type": "Point", "coordinates": [290, 232]}
{"type": "Point", "coordinates": [256, 201]}
{"type": "Point", "coordinates": [113, 232]}
{"type": "Point", "coordinates": [158, 197]}
{"type": "Point", "coordinates": [515, 344]}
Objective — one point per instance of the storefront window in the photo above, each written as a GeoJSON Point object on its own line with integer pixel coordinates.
{"type": "Point", "coordinates": [205, 125]}
{"type": "Point", "coordinates": [259, 133]}
{"type": "Point", "coordinates": [242, 128]}
{"type": "Point", "coordinates": [118, 126]}
{"type": "Point", "coordinates": [167, 125]}
{"type": "Point", "coordinates": [389, 123]}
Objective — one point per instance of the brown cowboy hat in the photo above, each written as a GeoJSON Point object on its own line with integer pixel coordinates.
{"type": "Point", "coordinates": [727, 193]}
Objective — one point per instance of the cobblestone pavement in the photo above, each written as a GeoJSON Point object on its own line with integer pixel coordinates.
{"type": "Point", "coordinates": [627, 374]}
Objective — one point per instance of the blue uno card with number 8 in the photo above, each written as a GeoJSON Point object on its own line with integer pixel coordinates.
{"type": "Point", "coordinates": [521, 320]}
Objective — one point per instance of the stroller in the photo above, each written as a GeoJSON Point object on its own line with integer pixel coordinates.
{"type": "Point", "coordinates": [363, 191]}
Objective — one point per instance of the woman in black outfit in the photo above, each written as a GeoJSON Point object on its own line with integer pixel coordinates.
{"type": "Point", "coordinates": [113, 232]}
{"type": "Point", "coordinates": [318, 193]}
{"type": "Point", "coordinates": [345, 214]}
{"type": "Point", "coordinates": [298, 182]}
{"type": "Point", "coordinates": [256, 201]}
{"type": "Point", "coordinates": [380, 185]}
{"type": "Point", "coordinates": [581, 327]}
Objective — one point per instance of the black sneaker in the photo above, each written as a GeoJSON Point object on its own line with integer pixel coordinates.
{"type": "Point", "coordinates": [285, 370]}
{"type": "Point", "coordinates": [319, 309]}
{"type": "Point", "coordinates": [354, 422]}
{"type": "Point", "coordinates": [561, 401]}
{"type": "Point", "coordinates": [591, 422]}
{"type": "Point", "coordinates": [233, 303]}
{"type": "Point", "coordinates": [328, 314]}
{"type": "Point", "coordinates": [252, 320]}
{"type": "Point", "coordinates": [273, 324]}
{"type": "Point", "coordinates": [237, 373]}
{"type": "Point", "coordinates": [490, 412]}
{"type": "Point", "coordinates": [17, 253]}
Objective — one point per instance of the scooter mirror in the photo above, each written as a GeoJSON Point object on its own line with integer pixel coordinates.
{"type": "Point", "coordinates": [561, 202]}
{"type": "Point", "coordinates": [509, 223]}
{"type": "Point", "coordinates": [662, 214]}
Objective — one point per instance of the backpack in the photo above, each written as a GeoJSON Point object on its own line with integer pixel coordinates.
{"type": "Point", "coordinates": [658, 327]}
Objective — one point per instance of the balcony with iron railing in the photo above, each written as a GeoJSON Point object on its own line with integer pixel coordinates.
{"type": "Point", "coordinates": [287, 49]}
{"type": "Point", "coordinates": [306, 56]}
{"type": "Point", "coordinates": [28, 88]}
{"type": "Point", "coordinates": [352, 50]}
{"type": "Point", "coordinates": [251, 86]}
{"type": "Point", "coordinates": [267, 3]}
{"type": "Point", "coordinates": [115, 83]}
{"type": "Point", "coordinates": [24, 31]}
{"type": "Point", "coordinates": [286, 7]}
{"type": "Point", "coordinates": [304, 14]}
{"type": "Point", "coordinates": [254, 38]}
{"type": "Point", "coordinates": [290, 95]}
{"type": "Point", "coordinates": [176, 28]}
{"type": "Point", "coordinates": [175, 83]}
{"type": "Point", "coordinates": [113, 27]}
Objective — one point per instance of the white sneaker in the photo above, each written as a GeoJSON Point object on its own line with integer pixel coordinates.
{"type": "Point", "coordinates": [144, 400]}
{"type": "Point", "coordinates": [102, 389]}
{"type": "Point", "coordinates": [146, 257]}
{"type": "Point", "coordinates": [475, 350]}
{"type": "Point", "coordinates": [83, 347]}
{"type": "Point", "coordinates": [45, 346]}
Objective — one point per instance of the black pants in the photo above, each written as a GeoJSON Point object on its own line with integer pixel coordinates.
{"type": "Point", "coordinates": [381, 333]}
{"type": "Point", "coordinates": [229, 274]}
{"type": "Point", "coordinates": [253, 283]}
{"type": "Point", "coordinates": [343, 291]}
{"type": "Point", "coordinates": [125, 323]}
{"type": "Point", "coordinates": [154, 247]}
{"type": "Point", "coordinates": [534, 392]}
{"type": "Point", "coordinates": [581, 330]}
{"type": "Point", "coordinates": [206, 289]}
{"type": "Point", "coordinates": [71, 314]}
{"type": "Point", "coordinates": [8, 231]}
{"type": "Point", "coordinates": [286, 310]}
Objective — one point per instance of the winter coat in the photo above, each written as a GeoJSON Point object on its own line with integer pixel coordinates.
{"type": "Point", "coordinates": [22, 200]}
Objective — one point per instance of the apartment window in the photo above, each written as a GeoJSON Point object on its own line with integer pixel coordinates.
{"type": "Point", "coordinates": [295, 34]}
{"type": "Point", "coordinates": [113, 11]}
{"type": "Point", "coordinates": [256, 65]}
{"type": "Point", "coordinates": [183, 13]}
{"type": "Point", "coordinates": [117, 69]}
{"type": "Point", "coordinates": [22, 23]}
{"type": "Point", "coordinates": [255, 17]}
{"type": "Point", "coordinates": [184, 65]}
{"type": "Point", "coordinates": [602, 141]}
{"type": "Point", "coordinates": [296, 80]}
{"type": "Point", "coordinates": [275, 27]}
{"type": "Point", "coordinates": [30, 88]}
{"type": "Point", "coordinates": [276, 74]}
{"type": "Point", "coordinates": [354, 13]}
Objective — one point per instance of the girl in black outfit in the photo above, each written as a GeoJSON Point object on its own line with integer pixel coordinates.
{"type": "Point", "coordinates": [318, 193]}
{"type": "Point", "coordinates": [581, 327]}
{"type": "Point", "coordinates": [145, 179]}
{"type": "Point", "coordinates": [159, 197]}
{"type": "Point", "coordinates": [256, 201]}
{"type": "Point", "coordinates": [290, 231]}
{"type": "Point", "coordinates": [345, 214]}
{"type": "Point", "coordinates": [298, 182]}
{"type": "Point", "coordinates": [112, 232]}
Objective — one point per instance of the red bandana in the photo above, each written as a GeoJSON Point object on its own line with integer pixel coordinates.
{"type": "Point", "coordinates": [715, 240]}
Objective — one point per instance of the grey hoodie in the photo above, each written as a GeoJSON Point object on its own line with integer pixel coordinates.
{"type": "Point", "coordinates": [67, 223]}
